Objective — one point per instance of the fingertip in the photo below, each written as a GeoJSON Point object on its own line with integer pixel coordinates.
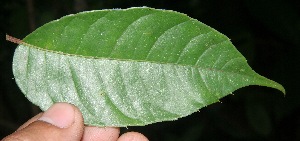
{"type": "Point", "coordinates": [92, 133]}
{"type": "Point", "coordinates": [61, 115]}
{"type": "Point", "coordinates": [62, 121]}
{"type": "Point", "coordinates": [133, 136]}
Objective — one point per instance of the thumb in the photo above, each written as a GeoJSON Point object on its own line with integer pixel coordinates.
{"type": "Point", "coordinates": [62, 121]}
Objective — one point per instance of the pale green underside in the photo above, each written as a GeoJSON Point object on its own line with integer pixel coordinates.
{"type": "Point", "coordinates": [162, 71]}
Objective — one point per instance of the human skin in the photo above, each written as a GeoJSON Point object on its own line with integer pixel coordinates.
{"type": "Point", "coordinates": [64, 121]}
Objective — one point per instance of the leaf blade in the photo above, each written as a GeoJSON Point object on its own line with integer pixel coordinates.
{"type": "Point", "coordinates": [144, 73]}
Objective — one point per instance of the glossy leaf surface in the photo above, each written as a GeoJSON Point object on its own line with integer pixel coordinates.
{"type": "Point", "coordinates": [130, 67]}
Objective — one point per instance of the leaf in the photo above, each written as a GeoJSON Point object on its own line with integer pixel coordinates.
{"type": "Point", "coordinates": [130, 67]}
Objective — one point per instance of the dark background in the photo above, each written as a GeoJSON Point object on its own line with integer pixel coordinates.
{"type": "Point", "coordinates": [266, 32]}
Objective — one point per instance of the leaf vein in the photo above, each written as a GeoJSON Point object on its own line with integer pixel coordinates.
{"type": "Point", "coordinates": [77, 91]}
{"type": "Point", "coordinates": [115, 46]}
{"type": "Point", "coordinates": [231, 60]}
{"type": "Point", "coordinates": [161, 36]}
{"type": "Point", "coordinates": [182, 52]}
{"type": "Point", "coordinates": [209, 48]}
{"type": "Point", "coordinates": [88, 29]}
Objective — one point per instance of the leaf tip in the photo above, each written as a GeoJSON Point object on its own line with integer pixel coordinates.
{"type": "Point", "coordinates": [280, 88]}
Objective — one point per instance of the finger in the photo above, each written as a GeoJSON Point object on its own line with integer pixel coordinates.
{"type": "Point", "coordinates": [61, 121]}
{"type": "Point", "coordinates": [30, 121]}
{"type": "Point", "coordinates": [100, 134]}
{"type": "Point", "coordinates": [132, 136]}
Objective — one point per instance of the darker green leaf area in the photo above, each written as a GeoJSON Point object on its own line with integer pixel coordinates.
{"type": "Point", "coordinates": [143, 33]}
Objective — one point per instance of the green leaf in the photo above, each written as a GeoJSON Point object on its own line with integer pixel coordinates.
{"type": "Point", "coordinates": [130, 67]}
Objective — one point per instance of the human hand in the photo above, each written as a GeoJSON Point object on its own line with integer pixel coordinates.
{"type": "Point", "coordinates": [64, 121]}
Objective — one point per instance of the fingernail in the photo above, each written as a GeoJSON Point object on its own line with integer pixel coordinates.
{"type": "Point", "coordinates": [60, 115]}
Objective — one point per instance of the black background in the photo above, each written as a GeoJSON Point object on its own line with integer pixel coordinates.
{"type": "Point", "coordinates": [266, 32]}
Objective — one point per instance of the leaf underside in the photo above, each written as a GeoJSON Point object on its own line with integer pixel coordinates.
{"type": "Point", "coordinates": [129, 67]}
